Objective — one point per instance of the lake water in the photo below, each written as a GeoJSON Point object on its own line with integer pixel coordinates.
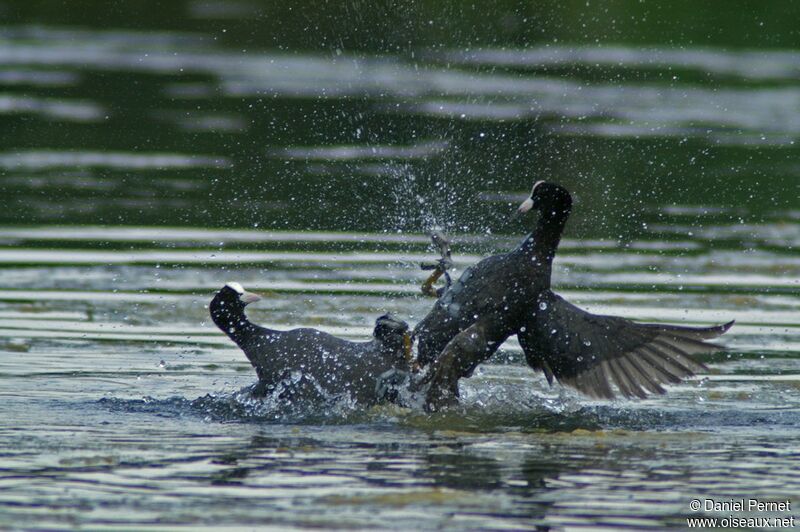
{"type": "Point", "coordinates": [150, 154]}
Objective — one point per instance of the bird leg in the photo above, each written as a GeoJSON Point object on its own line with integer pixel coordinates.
{"type": "Point", "coordinates": [427, 287]}
{"type": "Point", "coordinates": [439, 268]}
{"type": "Point", "coordinates": [459, 359]}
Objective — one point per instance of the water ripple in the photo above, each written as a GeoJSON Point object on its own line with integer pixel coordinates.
{"type": "Point", "coordinates": [46, 159]}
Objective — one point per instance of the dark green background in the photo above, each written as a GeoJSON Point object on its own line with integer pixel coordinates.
{"type": "Point", "coordinates": [620, 183]}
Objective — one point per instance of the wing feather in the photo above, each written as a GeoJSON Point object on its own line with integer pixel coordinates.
{"type": "Point", "coordinates": [650, 377]}
{"type": "Point", "coordinates": [666, 366]}
{"type": "Point", "coordinates": [677, 355]}
{"type": "Point", "coordinates": [590, 352]}
{"type": "Point", "coordinates": [640, 377]}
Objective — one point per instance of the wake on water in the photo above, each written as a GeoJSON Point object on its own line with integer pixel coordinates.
{"type": "Point", "coordinates": [485, 405]}
{"type": "Point", "coordinates": [299, 399]}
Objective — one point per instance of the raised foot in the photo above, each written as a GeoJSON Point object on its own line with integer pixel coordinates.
{"type": "Point", "coordinates": [439, 267]}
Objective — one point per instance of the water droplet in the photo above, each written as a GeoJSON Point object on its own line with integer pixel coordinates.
{"type": "Point", "coordinates": [542, 305]}
{"type": "Point", "coordinates": [587, 343]}
{"type": "Point", "coordinates": [553, 331]}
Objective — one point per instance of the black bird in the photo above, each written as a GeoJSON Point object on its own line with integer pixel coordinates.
{"type": "Point", "coordinates": [510, 294]}
{"type": "Point", "coordinates": [323, 362]}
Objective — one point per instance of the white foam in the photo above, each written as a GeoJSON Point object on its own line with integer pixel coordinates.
{"type": "Point", "coordinates": [235, 286]}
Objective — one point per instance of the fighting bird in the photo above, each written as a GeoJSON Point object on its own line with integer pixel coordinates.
{"type": "Point", "coordinates": [510, 293]}
{"type": "Point", "coordinates": [325, 363]}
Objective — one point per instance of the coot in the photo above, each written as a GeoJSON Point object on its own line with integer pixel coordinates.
{"type": "Point", "coordinates": [510, 294]}
{"type": "Point", "coordinates": [324, 363]}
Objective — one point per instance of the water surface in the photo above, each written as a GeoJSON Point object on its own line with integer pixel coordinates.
{"type": "Point", "coordinates": [153, 155]}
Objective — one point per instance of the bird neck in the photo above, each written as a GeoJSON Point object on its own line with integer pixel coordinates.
{"type": "Point", "coordinates": [542, 243]}
{"type": "Point", "coordinates": [232, 321]}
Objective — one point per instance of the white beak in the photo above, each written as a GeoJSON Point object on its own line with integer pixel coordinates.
{"type": "Point", "coordinates": [249, 297]}
{"type": "Point", "coordinates": [526, 206]}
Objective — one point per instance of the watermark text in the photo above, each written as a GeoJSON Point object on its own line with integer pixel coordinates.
{"type": "Point", "coordinates": [748, 506]}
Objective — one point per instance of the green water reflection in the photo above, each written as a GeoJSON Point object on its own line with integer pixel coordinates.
{"type": "Point", "coordinates": [432, 113]}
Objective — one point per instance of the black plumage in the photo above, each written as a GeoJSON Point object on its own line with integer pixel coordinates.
{"type": "Point", "coordinates": [324, 363]}
{"type": "Point", "coordinates": [510, 294]}
{"type": "Point", "coordinates": [588, 352]}
{"type": "Point", "coordinates": [489, 302]}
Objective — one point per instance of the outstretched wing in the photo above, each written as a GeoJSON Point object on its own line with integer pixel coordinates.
{"type": "Point", "coordinates": [588, 352]}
